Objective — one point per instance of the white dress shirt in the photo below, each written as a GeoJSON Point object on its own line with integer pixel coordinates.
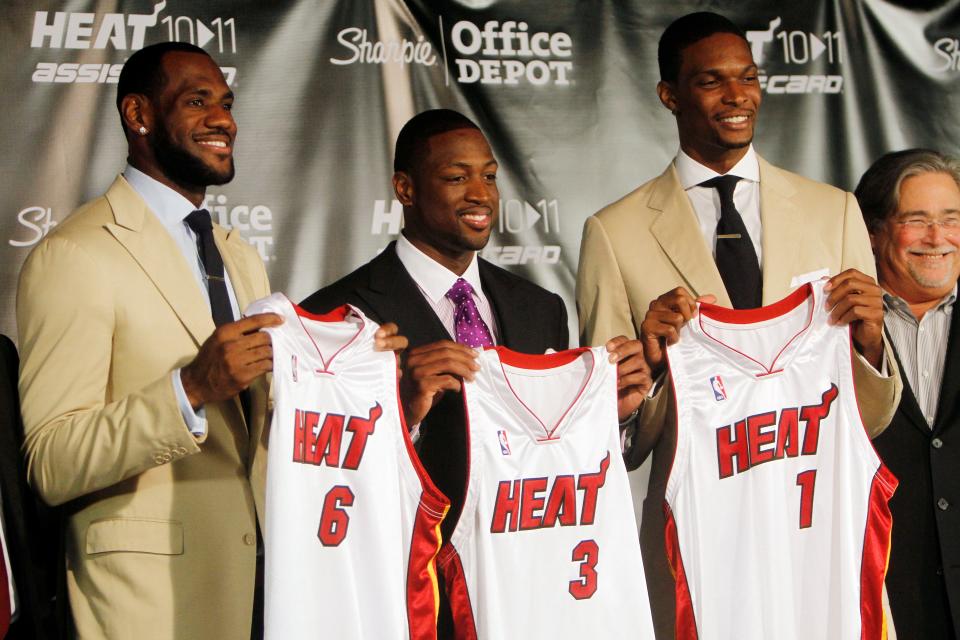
{"type": "Point", "coordinates": [434, 280]}
{"type": "Point", "coordinates": [922, 347]}
{"type": "Point", "coordinates": [706, 200]}
{"type": "Point", "coordinates": [171, 208]}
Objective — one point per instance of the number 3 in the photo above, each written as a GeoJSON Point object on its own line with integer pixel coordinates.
{"type": "Point", "coordinates": [586, 553]}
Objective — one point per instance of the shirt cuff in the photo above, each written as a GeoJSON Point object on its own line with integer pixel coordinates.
{"type": "Point", "coordinates": [883, 373]}
{"type": "Point", "coordinates": [415, 432]}
{"type": "Point", "coordinates": [196, 420]}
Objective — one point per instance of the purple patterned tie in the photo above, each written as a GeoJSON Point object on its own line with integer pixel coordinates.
{"type": "Point", "coordinates": [471, 330]}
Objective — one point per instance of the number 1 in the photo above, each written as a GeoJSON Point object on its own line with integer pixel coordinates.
{"type": "Point", "coordinates": [806, 481]}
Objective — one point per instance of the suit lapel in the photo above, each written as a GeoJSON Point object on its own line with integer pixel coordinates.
{"type": "Point", "coordinates": [946, 406]}
{"type": "Point", "coordinates": [909, 406]}
{"type": "Point", "coordinates": [395, 297]}
{"type": "Point", "coordinates": [150, 245]}
{"type": "Point", "coordinates": [235, 266]}
{"type": "Point", "coordinates": [678, 233]}
{"type": "Point", "coordinates": [781, 222]}
{"type": "Point", "coordinates": [512, 326]}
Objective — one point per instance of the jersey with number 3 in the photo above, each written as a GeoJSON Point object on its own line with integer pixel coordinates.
{"type": "Point", "coordinates": [546, 546]}
{"type": "Point", "coordinates": [352, 521]}
{"type": "Point", "coordinates": [777, 516]}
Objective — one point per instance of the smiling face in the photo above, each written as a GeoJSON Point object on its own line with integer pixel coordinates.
{"type": "Point", "coordinates": [450, 197]}
{"type": "Point", "coordinates": [192, 130]}
{"type": "Point", "coordinates": [715, 99]}
{"type": "Point", "coordinates": [917, 262]}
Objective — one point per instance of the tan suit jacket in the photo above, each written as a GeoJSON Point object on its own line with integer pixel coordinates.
{"type": "Point", "coordinates": [649, 242]}
{"type": "Point", "coordinates": [161, 531]}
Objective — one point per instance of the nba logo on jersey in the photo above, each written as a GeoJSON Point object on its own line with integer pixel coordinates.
{"type": "Point", "coordinates": [504, 445]}
{"type": "Point", "coordinates": [719, 393]}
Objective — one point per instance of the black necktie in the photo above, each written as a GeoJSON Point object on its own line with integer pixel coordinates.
{"type": "Point", "coordinates": [199, 221]}
{"type": "Point", "coordinates": [736, 257]}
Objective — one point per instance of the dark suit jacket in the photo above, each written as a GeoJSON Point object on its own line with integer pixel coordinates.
{"type": "Point", "coordinates": [923, 579]}
{"type": "Point", "coordinates": [529, 318]}
{"type": "Point", "coordinates": [32, 532]}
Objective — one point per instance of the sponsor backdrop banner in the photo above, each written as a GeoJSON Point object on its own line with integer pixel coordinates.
{"type": "Point", "coordinates": [565, 91]}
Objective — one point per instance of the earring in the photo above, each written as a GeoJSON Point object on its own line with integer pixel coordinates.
{"type": "Point", "coordinates": [142, 130]}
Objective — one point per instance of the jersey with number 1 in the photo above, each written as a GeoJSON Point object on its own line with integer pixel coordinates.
{"type": "Point", "coordinates": [352, 521]}
{"type": "Point", "coordinates": [777, 516]}
{"type": "Point", "coordinates": [547, 545]}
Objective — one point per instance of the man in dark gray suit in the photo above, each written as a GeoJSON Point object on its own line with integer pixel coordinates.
{"type": "Point", "coordinates": [911, 204]}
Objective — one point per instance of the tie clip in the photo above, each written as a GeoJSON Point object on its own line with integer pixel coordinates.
{"type": "Point", "coordinates": [728, 236]}
{"type": "Point", "coordinates": [210, 277]}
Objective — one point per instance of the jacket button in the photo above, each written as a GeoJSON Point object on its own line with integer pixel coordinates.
{"type": "Point", "coordinates": [249, 539]}
{"type": "Point", "coordinates": [939, 571]}
{"type": "Point", "coordinates": [937, 443]}
{"type": "Point", "coordinates": [942, 504]}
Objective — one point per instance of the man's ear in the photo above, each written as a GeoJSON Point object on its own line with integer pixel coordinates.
{"type": "Point", "coordinates": [403, 188]}
{"type": "Point", "coordinates": [137, 111]}
{"type": "Point", "coordinates": [668, 96]}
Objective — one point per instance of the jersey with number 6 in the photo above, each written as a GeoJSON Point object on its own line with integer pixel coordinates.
{"type": "Point", "coordinates": [546, 546]}
{"type": "Point", "coordinates": [352, 522]}
{"type": "Point", "coordinates": [777, 516]}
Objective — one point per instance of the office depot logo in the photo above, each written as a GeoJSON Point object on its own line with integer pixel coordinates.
{"type": "Point", "coordinates": [511, 54]}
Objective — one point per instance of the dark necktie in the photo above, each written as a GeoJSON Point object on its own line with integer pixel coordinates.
{"type": "Point", "coordinates": [471, 330]}
{"type": "Point", "coordinates": [736, 257]}
{"type": "Point", "coordinates": [199, 221]}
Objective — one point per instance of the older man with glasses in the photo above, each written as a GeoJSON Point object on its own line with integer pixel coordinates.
{"type": "Point", "coordinates": [911, 204]}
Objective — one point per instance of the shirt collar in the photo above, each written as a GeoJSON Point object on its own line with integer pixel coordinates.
{"type": "Point", "coordinates": [433, 278]}
{"type": "Point", "coordinates": [692, 173]}
{"type": "Point", "coordinates": [168, 205]}
{"type": "Point", "coordinates": [892, 302]}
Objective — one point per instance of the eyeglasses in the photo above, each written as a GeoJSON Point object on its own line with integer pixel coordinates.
{"type": "Point", "coordinates": [950, 225]}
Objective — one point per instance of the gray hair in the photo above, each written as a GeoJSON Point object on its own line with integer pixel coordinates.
{"type": "Point", "coordinates": [878, 192]}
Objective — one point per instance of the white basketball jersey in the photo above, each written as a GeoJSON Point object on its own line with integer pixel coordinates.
{"type": "Point", "coordinates": [352, 521]}
{"type": "Point", "coordinates": [547, 545]}
{"type": "Point", "coordinates": [777, 517]}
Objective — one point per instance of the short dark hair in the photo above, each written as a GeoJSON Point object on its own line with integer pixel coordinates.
{"type": "Point", "coordinates": [143, 71]}
{"type": "Point", "coordinates": [412, 140]}
{"type": "Point", "coordinates": [878, 192]}
{"type": "Point", "coordinates": [685, 31]}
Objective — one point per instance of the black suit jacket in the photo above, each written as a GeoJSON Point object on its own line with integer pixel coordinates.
{"type": "Point", "coordinates": [530, 319]}
{"type": "Point", "coordinates": [923, 579]}
{"type": "Point", "coordinates": [32, 532]}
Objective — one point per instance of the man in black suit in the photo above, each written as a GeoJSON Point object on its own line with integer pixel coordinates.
{"type": "Point", "coordinates": [29, 529]}
{"type": "Point", "coordinates": [911, 204]}
{"type": "Point", "coordinates": [445, 178]}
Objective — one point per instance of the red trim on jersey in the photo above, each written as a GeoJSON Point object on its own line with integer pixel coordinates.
{"type": "Point", "coordinates": [336, 315]}
{"type": "Point", "coordinates": [876, 554]}
{"type": "Point", "coordinates": [537, 361]}
{"type": "Point", "coordinates": [685, 620]}
{"type": "Point", "coordinates": [439, 501]}
{"type": "Point", "coordinates": [423, 591]}
{"type": "Point", "coordinates": [464, 625]}
{"type": "Point", "coordinates": [543, 362]}
{"type": "Point", "coordinates": [749, 316]}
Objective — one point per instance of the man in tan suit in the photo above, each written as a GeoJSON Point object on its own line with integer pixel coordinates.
{"type": "Point", "coordinates": [144, 420]}
{"type": "Point", "coordinates": [646, 259]}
